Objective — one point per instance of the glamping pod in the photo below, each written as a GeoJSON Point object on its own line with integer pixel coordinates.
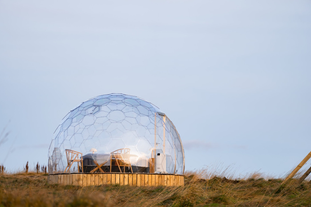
{"type": "Point", "coordinates": [114, 137]}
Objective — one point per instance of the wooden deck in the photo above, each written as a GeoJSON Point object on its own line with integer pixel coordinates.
{"type": "Point", "coordinates": [117, 179]}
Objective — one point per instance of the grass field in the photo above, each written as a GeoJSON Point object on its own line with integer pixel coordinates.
{"type": "Point", "coordinates": [32, 189]}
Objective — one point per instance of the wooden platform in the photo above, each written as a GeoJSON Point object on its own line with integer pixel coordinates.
{"type": "Point", "coordinates": [117, 179]}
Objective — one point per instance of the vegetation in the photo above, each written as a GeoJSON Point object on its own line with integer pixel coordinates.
{"type": "Point", "coordinates": [32, 189]}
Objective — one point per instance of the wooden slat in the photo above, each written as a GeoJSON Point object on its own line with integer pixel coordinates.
{"type": "Point", "coordinates": [84, 180]}
{"type": "Point", "coordinates": [156, 180]}
{"type": "Point", "coordinates": [100, 179]}
{"type": "Point", "coordinates": [96, 178]}
{"type": "Point", "coordinates": [177, 180]}
{"type": "Point", "coordinates": [173, 180]}
{"type": "Point", "coordinates": [117, 179]}
{"type": "Point", "coordinates": [126, 179]}
{"type": "Point", "coordinates": [70, 179]}
{"type": "Point", "coordinates": [113, 179]}
{"type": "Point", "coordinates": [130, 179]}
{"type": "Point", "coordinates": [146, 180]}
{"type": "Point", "coordinates": [121, 179]}
{"type": "Point", "coordinates": [92, 179]}
{"type": "Point", "coordinates": [134, 179]}
{"type": "Point", "coordinates": [79, 177]}
{"type": "Point", "coordinates": [182, 181]}
{"type": "Point", "coordinates": [138, 180]}
{"type": "Point", "coordinates": [149, 180]}
{"type": "Point", "coordinates": [51, 179]}
{"type": "Point", "coordinates": [167, 180]}
{"type": "Point", "coordinates": [74, 179]}
{"type": "Point", "coordinates": [170, 180]}
{"type": "Point", "coordinates": [60, 179]}
{"type": "Point", "coordinates": [67, 178]}
{"type": "Point", "coordinates": [108, 179]}
{"type": "Point", "coordinates": [153, 180]}
{"type": "Point", "coordinates": [63, 180]}
{"type": "Point", "coordinates": [142, 179]}
{"type": "Point", "coordinates": [103, 179]}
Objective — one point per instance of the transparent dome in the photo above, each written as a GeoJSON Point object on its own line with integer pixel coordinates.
{"type": "Point", "coordinates": [116, 133]}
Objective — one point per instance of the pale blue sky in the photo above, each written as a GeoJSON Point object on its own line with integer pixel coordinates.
{"type": "Point", "coordinates": [233, 76]}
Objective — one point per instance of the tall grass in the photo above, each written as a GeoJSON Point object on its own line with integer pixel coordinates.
{"type": "Point", "coordinates": [32, 189]}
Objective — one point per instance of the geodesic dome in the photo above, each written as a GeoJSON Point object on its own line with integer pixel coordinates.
{"type": "Point", "coordinates": [99, 127]}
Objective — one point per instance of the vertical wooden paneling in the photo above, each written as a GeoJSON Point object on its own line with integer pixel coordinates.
{"type": "Point", "coordinates": [108, 179]}
{"type": "Point", "coordinates": [134, 179]}
{"type": "Point", "coordinates": [121, 179]}
{"type": "Point", "coordinates": [113, 179]}
{"type": "Point", "coordinates": [117, 179]}
{"type": "Point", "coordinates": [126, 179]}
{"type": "Point", "coordinates": [130, 179]}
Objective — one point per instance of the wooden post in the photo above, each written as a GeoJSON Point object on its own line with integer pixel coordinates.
{"type": "Point", "coordinates": [305, 175]}
{"type": "Point", "coordinates": [292, 174]}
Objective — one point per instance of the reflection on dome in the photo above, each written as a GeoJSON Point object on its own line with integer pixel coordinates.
{"type": "Point", "coordinates": [116, 133]}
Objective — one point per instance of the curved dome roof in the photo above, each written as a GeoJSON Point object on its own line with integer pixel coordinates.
{"type": "Point", "coordinates": [110, 122]}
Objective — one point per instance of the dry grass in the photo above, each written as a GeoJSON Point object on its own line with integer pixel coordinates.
{"type": "Point", "coordinates": [32, 189]}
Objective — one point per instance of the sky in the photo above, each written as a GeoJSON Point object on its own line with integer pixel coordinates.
{"type": "Point", "coordinates": [233, 76]}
